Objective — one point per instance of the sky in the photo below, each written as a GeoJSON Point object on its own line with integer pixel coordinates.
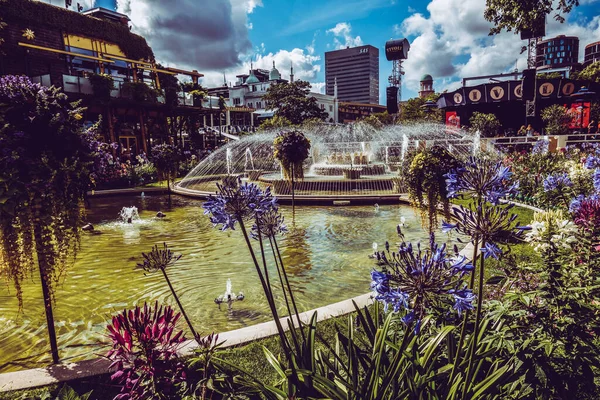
{"type": "Point", "coordinates": [449, 38]}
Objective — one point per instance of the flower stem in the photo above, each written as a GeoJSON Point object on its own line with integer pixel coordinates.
{"type": "Point", "coordinates": [196, 337]}
{"type": "Point", "coordinates": [287, 303]}
{"type": "Point", "coordinates": [287, 282]}
{"type": "Point", "coordinates": [477, 327]}
{"type": "Point", "coordinates": [463, 331]}
{"type": "Point", "coordinates": [266, 289]}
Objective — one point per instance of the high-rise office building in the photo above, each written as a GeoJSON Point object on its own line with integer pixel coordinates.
{"type": "Point", "coordinates": [356, 71]}
{"type": "Point", "coordinates": [592, 53]}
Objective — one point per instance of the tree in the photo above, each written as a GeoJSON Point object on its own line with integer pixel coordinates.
{"type": "Point", "coordinates": [277, 122]}
{"type": "Point", "coordinates": [45, 169]}
{"type": "Point", "coordinates": [557, 119]}
{"type": "Point", "coordinates": [486, 123]}
{"type": "Point", "coordinates": [377, 120]}
{"type": "Point", "coordinates": [520, 15]}
{"type": "Point", "coordinates": [166, 159]}
{"type": "Point", "coordinates": [413, 110]}
{"type": "Point", "coordinates": [292, 101]}
{"type": "Point", "coordinates": [590, 73]}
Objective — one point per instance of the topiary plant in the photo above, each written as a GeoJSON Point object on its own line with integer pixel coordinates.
{"type": "Point", "coordinates": [291, 148]}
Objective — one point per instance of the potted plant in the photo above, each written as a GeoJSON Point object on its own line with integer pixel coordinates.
{"type": "Point", "coordinates": [102, 84]}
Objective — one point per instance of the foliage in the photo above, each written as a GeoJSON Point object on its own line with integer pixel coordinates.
{"type": "Point", "coordinates": [557, 119]}
{"type": "Point", "coordinates": [37, 13]}
{"type": "Point", "coordinates": [291, 148]}
{"type": "Point", "coordinates": [486, 123]}
{"type": "Point", "coordinates": [277, 122]}
{"type": "Point", "coordinates": [45, 170]}
{"type": "Point", "coordinates": [293, 101]}
{"type": "Point", "coordinates": [144, 353]}
{"type": "Point", "coordinates": [378, 120]}
{"type": "Point", "coordinates": [413, 110]}
{"type": "Point", "coordinates": [549, 75]}
{"type": "Point", "coordinates": [222, 104]}
{"type": "Point", "coordinates": [165, 158]}
{"type": "Point", "coordinates": [423, 172]}
{"type": "Point", "coordinates": [169, 86]}
{"type": "Point", "coordinates": [590, 73]}
{"type": "Point", "coordinates": [68, 393]}
{"type": "Point", "coordinates": [140, 92]}
{"type": "Point", "coordinates": [518, 15]}
{"type": "Point", "coordinates": [102, 85]}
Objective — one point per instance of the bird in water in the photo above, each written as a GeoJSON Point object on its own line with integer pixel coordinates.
{"type": "Point", "coordinates": [87, 227]}
{"type": "Point", "coordinates": [376, 207]}
{"type": "Point", "coordinates": [160, 214]}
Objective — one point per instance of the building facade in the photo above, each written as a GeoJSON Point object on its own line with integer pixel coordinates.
{"type": "Point", "coordinates": [356, 71]}
{"type": "Point", "coordinates": [560, 51]}
{"type": "Point", "coordinates": [250, 88]}
{"type": "Point", "coordinates": [591, 53]}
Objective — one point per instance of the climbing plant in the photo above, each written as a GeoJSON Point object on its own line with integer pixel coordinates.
{"type": "Point", "coordinates": [45, 164]}
{"type": "Point", "coordinates": [424, 173]}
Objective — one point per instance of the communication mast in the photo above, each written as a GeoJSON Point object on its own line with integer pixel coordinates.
{"type": "Point", "coordinates": [396, 51]}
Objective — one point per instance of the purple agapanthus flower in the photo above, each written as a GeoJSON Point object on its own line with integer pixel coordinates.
{"type": "Point", "coordinates": [592, 162]}
{"type": "Point", "coordinates": [463, 300]}
{"type": "Point", "coordinates": [596, 179]}
{"type": "Point", "coordinates": [491, 250]}
{"type": "Point", "coordinates": [269, 224]}
{"type": "Point", "coordinates": [238, 203]}
{"type": "Point", "coordinates": [419, 280]}
{"type": "Point", "coordinates": [541, 146]}
{"type": "Point", "coordinates": [556, 181]}
{"type": "Point", "coordinates": [481, 178]}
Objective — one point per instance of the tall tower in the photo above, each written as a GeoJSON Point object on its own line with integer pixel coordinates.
{"type": "Point", "coordinates": [426, 86]}
{"type": "Point", "coordinates": [291, 72]}
{"type": "Point", "coordinates": [357, 73]}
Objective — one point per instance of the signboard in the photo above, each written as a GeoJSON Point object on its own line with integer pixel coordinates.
{"type": "Point", "coordinates": [497, 92]}
{"type": "Point", "coordinates": [396, 49]}
{"type": "Point", "coordinates": [452, 119]}
{"type": "Point", "coordinates": [475, 94]}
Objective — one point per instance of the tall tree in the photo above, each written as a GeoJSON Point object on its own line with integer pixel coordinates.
{"type": "Point", "coordinates": [590, 73]}
{"type": "Point", "coordinates": [486, 123]}
{"type": "Point", "coordinates": [45, 168]}
{"type": "Point", "coordinates": [520, 15]}
{"type": "Point", "coordinates": [293, 102]}
{"type": "Point", "coordinates": [413, 110]}
{"type": "Point", "coordinates": [557, 119]}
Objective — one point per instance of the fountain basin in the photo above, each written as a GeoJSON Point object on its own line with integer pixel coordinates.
{"type": "Point", "coordinates": [338, 169]}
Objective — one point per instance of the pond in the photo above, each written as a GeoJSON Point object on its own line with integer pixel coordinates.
{"type": "Point", "coordinates": [326, 253]}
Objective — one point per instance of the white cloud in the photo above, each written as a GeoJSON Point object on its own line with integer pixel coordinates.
{"type": "Point", "coordinates": [453, 42]}
{"type": "Point", "coordinates": [411, 10]}
{"type": "Point", "coordinates": [342, 36]}
{"type": "Point", "coordinates": [305, 65]}
{"type": "Point", "coordinates": [183, 34]}
{"type": "Point", "coordinates": [318, 87]}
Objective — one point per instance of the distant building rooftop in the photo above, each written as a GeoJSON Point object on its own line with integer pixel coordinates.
{"type": "Point", "coordinates": [105, 13]}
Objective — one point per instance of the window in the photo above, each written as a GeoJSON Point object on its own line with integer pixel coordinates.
{"type": "Point", "coordinates": [254, 88]}
{"type": "Point", "coordinates": [322, 106]}
{"type": "Point", "coordinates": [259, 105]}
{"type": "Point", "coordinates": [330, 108]}
{"type": "Point", "coordinates": [250, 105]}
{"type": "Point", "coordinates": [236, 101]}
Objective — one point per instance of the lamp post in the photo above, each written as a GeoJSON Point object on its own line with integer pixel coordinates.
{"type": "Point", "coordinates": [580, 97]}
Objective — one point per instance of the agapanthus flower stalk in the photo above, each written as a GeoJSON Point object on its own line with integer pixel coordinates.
{"type": "Point", "coordinates": [420, 281]}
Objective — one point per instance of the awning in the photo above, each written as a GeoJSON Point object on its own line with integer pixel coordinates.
{"type": "Point", "coordinates": [70, 53]}
{"type": "Point", "coordinates": [262, 113]}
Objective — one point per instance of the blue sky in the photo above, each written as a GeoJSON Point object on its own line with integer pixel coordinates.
{"type": "Point", "coordinates": [449, 38]}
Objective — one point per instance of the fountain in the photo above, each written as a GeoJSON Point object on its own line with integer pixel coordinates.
{"type": "Point", "coordinates": [248, 160]}
{"type": "Point", "coordinates": [229, 297]}
{"type": "Point", "coordinates": [128, 215]}
{"type": "Point", "coordinates": [228, 158]}
{"type": "Point", "coordinates": [404, 147]}
{"type": "Point", "coordinates": [357, 164]}
{"type": "Point", "coordinates": [476, 143]}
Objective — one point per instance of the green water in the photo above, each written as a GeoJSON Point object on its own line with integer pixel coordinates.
{"type": "Point", "coordinates": [326, 254]}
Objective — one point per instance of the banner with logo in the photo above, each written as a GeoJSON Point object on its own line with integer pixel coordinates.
{"type": "Point", "coordinates": [475, 94]}
{"type": "Point", "coordinates": [497, 92]}
{"type": "Point", "coordinates": [457, 98]}
{"type": "Point", "coordinates": [515, 90]}
{"type": "Point", "coordinates": [547, 88]}
{"type": "Point", "coordinates": [567, 88]}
